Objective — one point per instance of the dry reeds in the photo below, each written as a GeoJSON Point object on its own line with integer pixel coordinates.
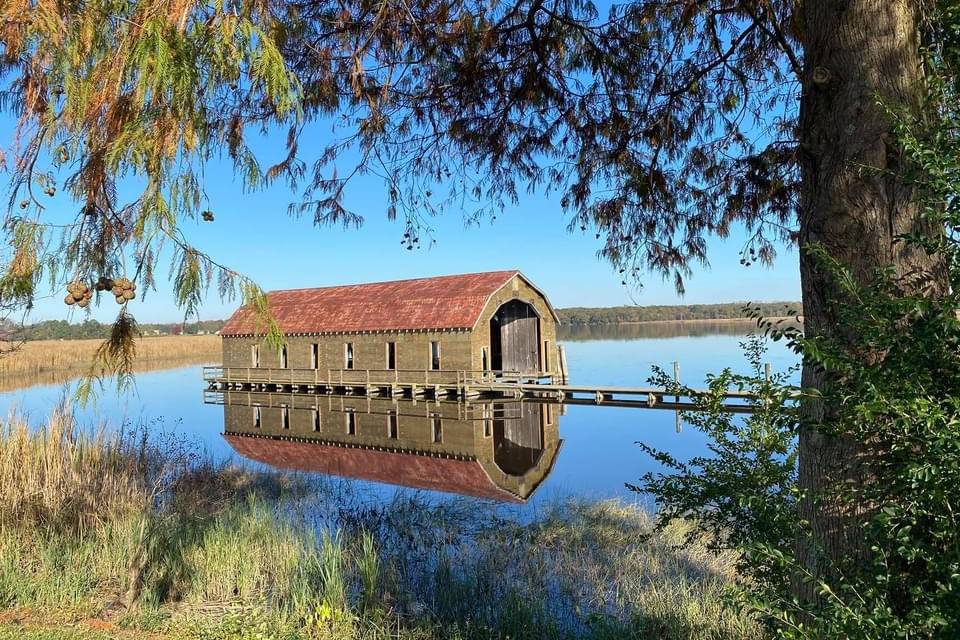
{"type": "Point", "coordinates": [55, 361]}
{"type": "Point", "coordinates": [56, 477]}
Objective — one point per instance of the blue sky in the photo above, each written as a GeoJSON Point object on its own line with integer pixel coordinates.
{"type": "Point", "coordinates": [253, 234]}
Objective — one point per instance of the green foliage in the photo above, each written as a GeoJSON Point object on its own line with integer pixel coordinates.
{"type": "Point", "coordinates": [890, 397]}
{"type": "Point", "coordinates": [244, 625]}
{"type": "Point", "coordinates": [896, 397]}
{"type": "Point", "coordinates": [636, 115]}
{"type": "Point", "coordinates": [368, 566]}
{"type": "Point", "coordinates": [143, 92]}
{"type": "Point", "coordinates": [19, 277]}
{"type": "Point", "coordinates": [744, 494]}
{"type": "Point", "coordinates": [30, 632]}
{"type": "Point", "coordinates": [551, 96]}
{"type": "Point", "coordinates": [333, 614]}
{"type": "Point", "coordinates": [116, 355]}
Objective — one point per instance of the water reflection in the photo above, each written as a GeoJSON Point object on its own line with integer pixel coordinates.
{"type": "Point", "coordinates": [598, 454]}
{"type": "Point", "coordinates": [497, 450]}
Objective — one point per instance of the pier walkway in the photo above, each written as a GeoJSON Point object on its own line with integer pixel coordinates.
{"type": "Point", "coordinates": [452, 385]}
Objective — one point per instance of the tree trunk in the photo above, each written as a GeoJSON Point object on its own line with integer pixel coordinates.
{"type": "Point", "coordinates": [855, 206]}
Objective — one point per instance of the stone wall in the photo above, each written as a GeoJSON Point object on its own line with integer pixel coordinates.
{"type": "Point", "coordinates": [369, 351]}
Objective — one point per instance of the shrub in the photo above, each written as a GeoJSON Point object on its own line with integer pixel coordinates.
{"type": "Point", "coordinates": [891, 387]}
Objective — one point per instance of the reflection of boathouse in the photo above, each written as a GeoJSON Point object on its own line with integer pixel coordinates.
{"type": "Point", "coordinates": [502, 451]}
{"type": "Point", "coordinates": [408, 330]}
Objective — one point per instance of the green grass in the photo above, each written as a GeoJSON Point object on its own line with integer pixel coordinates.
{"type": "Point", "coordinates": [189, 549]}
{"type": "Point", "coordinates": [16, 632]}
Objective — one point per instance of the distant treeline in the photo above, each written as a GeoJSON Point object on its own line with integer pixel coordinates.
{"type": "Point", "coordinates": [720, 311]}
{"type": "Point", "coordinates": [63, 330]}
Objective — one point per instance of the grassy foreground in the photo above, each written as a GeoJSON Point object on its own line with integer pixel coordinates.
{"type": "Point", "coordinates": [109, 536]}
{"type": "Point", "coordinates": [54, 361]}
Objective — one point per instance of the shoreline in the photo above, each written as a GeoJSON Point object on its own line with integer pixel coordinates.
{"type": "Point", "coordinates": [41, 362]}
{"type": "Point", "coordinates": [684, 321]}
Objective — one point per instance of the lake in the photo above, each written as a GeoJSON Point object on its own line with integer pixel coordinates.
{"type": "Point", "coordinates": [521, 454]}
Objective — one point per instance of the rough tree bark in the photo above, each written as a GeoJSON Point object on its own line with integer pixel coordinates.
{"type": "Point", "coordinates": [855, 52]}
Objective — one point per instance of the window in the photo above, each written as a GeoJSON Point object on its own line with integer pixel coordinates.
{"type": "Point", "coordinates": [351, 418]}
{"type": "Point", "coordinates": [348, 355]}
{"type": "Point", "coordinates": [548, 414]}
{"type": "Point", "coordinates": [435, 355]}
{"type": "Point", "coordinates": [483, 359]}
{"type": "Point", "coordinates": [315, 356]}
{"type": "Point", "coordinates": [283, 357]}
{"type": "Point", "coordinates": [255, 355]}
{"type": "Point", "coordinates": [393, 426]}
{"type": "Point", "coordinates": [546, 356]}
{"type": "Point", "coordinates": [284, 417]}
{"type": "Point", "coordinates": [391, 356]}
{"type": "Point", "coordinates": [437, 424]}
{"type": "Point", "coordinates": [316, 420]}
{"type": "Point", "coordinates": [257, 420]}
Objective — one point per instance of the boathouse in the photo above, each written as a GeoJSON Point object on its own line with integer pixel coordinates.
{"type": "Point", "coordinates": [472, 326]}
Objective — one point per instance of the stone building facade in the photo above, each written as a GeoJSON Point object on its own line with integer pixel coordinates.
{"type": "Point", "coordinates": [483, 322]}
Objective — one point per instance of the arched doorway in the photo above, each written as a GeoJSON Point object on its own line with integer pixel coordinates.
{"type": "Point", "coordinates": [518, 440]}
{"type": "Point", "coordinates": [515, 338]}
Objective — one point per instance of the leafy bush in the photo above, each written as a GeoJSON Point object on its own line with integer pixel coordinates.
{"type": "Point", "coordinates": [892, 392]}
{"type": "Point", "coordinates": [904, 411]}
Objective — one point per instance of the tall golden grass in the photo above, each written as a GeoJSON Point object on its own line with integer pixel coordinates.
{"type": "Point", "coordinates": [54, 361]}
{"type": "Point", "coordinates": [57, 477]}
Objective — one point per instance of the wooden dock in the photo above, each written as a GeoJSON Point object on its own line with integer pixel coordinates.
{"type": "Point", "coordinates": [450, 385]}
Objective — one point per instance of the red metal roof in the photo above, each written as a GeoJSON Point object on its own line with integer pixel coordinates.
{"type": "Point", "coordinates": [463, 477]}
{"type": "Point", "coordinates": [444, 302]}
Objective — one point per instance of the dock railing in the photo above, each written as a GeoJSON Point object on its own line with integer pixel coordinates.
{"type": "Point", "coordinates": [374, 377]}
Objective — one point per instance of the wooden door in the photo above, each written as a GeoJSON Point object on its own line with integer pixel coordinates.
{"type": "Point", "coordinates": [518, 438]}
{"type": "Point", "coordinates": [519, 337]}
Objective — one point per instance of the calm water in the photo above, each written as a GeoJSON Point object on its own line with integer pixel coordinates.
{"type": "Point", "coordinates": [583, 450]}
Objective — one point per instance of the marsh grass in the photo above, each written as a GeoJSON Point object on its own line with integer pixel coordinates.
{"type": "Point", "coordinates": [155, 540]}
{"type": "Point", "coordinates": [55, 361]}
{"type": "Point", "coordinates": [55, 477]}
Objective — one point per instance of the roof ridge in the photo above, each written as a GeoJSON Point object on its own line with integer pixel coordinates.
{"type": "Point", "coordinates": [512, 272]}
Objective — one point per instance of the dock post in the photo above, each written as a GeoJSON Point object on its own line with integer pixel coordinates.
{"type": "Point", "coordinates": [676, 398]}
{"type": "Point", "coordinates": [562, 361]}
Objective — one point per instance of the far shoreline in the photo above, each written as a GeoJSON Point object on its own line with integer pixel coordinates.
{"type": "Point", "coordinates": [681, 321]}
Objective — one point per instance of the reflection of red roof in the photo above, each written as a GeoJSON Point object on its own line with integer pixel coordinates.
{"type": "Point", "coordinates": [464, 477]}
{"type": "Point", "coordinates": [445, 302]}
